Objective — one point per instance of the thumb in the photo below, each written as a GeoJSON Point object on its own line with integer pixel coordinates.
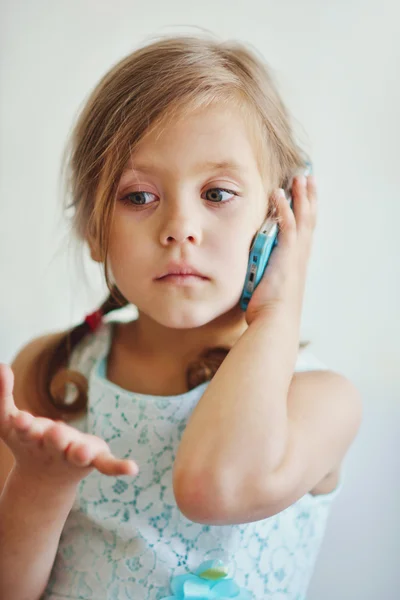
{"type": "Point", "coordinates": [7, 405]}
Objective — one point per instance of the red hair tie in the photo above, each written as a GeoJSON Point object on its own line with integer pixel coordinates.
{"type": "Point", "coordinates": [94, 319]}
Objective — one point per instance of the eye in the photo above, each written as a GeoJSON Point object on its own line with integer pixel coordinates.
{"type": "Point", "coordinates": [216, 195]}
{"type": "Point", "coordinates": [136, 198]}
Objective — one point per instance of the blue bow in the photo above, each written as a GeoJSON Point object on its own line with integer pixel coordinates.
{"type": "Point", "coordinates": [209, 582]}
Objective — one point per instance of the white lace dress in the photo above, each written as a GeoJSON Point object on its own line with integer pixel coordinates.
{"type": "Point", "coordinates": [126, 539]}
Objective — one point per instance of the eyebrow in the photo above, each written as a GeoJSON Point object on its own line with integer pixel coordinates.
{"type": "Point", "coordinates": [225, 165]}
{"type": "Point", "coordinates": [209, 166]}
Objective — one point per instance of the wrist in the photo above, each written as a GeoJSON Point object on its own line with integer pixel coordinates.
{"type": "Point", "coordinates": [281, 330]}
{"type": "Point", "coordinates": [34, 486]}
{"type": "Point", "coordinates": [281, 317]}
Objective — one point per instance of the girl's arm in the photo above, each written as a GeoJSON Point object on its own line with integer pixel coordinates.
{"type": "Point", "coordinates": [262, 436]}
{"type": "Point", "coordinates": [42, 461]}
{"type": "Point", "coordinates": [32, 517]}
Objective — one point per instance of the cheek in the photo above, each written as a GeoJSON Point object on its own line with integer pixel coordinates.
{"type": "Point", "coordinates": [231, 254]}
{"type": "Point", "coordinates": [127, 245]}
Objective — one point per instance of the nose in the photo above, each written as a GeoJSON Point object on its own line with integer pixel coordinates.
{"type": "Point", "coordinates": [180, 223]}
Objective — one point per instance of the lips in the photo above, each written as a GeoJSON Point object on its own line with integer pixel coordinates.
{"type": "Point", "coordinates": [180, 269]}
{"type": "Point", "coordinates": [181, 275]}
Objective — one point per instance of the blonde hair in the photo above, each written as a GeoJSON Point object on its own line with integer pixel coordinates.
{"type": "Point", "coordinates": [158, 83]}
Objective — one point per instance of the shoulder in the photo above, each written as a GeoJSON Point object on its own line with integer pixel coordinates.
{"type": "Point", "coordinates": [34, 356]}
{"type": "Point", "coordinates": [24, 366]}
{"type": "Point", "coordinates": [317, 390]}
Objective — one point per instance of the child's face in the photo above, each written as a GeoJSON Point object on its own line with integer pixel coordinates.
{"type": "Point", "coordinates": [173, 214]}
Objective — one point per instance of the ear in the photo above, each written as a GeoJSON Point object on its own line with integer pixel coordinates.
{"type": "Point", "coordinates": [95, 256]}
{"type": "Point", "coordinates": [94, 250]}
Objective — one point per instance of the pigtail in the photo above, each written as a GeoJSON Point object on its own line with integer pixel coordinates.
{"type": "Point", "coordinates": [54, 375]}
{"type": "Point", "coordinates": [204, 368]}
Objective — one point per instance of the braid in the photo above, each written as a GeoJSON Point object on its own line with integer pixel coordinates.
{"type": "Point", "coordinates": [205, 367]}
{"type": "Point", "coordinates": [54, 374]}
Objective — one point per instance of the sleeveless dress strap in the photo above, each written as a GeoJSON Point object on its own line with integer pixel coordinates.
{"type": "Point", "coordinates": [83, 359]}
{"type": "Point", "coordinates": [307, 361]}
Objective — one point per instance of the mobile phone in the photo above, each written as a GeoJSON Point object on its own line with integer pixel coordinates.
{"type": "Point", "coordinates": [264, 242]}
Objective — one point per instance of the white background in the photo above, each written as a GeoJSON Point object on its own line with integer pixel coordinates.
{"type": "Point", "coordinates": [337, 65]}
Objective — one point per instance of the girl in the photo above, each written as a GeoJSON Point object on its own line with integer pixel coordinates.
{"type": "Point", "coordinates": [194, 451]}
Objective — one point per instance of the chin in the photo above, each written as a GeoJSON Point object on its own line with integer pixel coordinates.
{"type": "Point", "coordinates": [189, 315]}
{"type": "Point", "coordinates": [184, 319]}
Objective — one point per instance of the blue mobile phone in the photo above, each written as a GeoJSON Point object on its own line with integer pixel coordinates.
{"type": "Point", "coordinates": [260, 251]}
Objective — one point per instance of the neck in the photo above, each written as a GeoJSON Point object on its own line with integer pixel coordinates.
{"type": "Point", "coordinates": [150, 340]}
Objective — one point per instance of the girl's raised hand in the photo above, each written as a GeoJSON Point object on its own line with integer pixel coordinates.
{"type": "Point", "coordinates": [52, 451]}
{"type": "Point", "coordinates": [283, 283]}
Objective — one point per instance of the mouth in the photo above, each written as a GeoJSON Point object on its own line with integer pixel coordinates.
{"type": "Point", "coordinates": [182, 279]}
{"type": "Point", "coordinates": [181, 270]}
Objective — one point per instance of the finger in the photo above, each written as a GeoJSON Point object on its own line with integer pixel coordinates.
{"type": "Point", "coordinates": [84, 448]}
{"type": "Point", "coordinates": [57, 438]}
{"type": "Point", "coordinates": [22, 422]}
{"type": "Point", "coordinates": [286, 220]}
{"type": "Point", "coordinates": [30, 428]}
{"type": "Point", "coordinates": [7, 405]}
{"type": "Point", "coordinates": [301, 204]}
{"type": "Point", "coordinates": [107, 464]}
{"type": "Point", "coordinates": [312, 194]}
{"type": "Point", "coordinates": [81, 453]}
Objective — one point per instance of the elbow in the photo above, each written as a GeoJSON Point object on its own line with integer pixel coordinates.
{"type": "Point", "coordinates": [199, 500]}
{"type": "Point", "coordinates": [204, 500]}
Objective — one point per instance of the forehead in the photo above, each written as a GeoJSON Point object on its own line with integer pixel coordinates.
{"type": "Point", "coordinates": [215, 138]}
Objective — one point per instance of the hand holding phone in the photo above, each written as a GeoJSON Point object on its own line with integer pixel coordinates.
{"type": "Point", "coordinates": [260, 251]}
